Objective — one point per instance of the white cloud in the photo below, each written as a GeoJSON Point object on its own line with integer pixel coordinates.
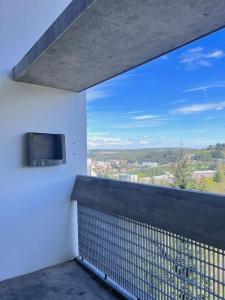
{"type": "Point", "coordinates": [145, 117]}
{"type": "Point", "coordinates": [195, 108]}
{"type": "Point", "coordinates": [209, 118]}
{"type": "Point", "coordinates": [196, 49]}
{"type": "Point", "coordinates": [108, 142]}
{"type": "Point", "coordinates": [137, 125]}
{"type": "Point", "coordinates": [215, 54]}
{"type": "Point", "coordinates": [144, 142]}
{"type": "Point", "coordinates": [135, 112]}
{"type": "Point", "coordinates": [97, 93]}
{"type": "Point", "coordinates": [177, 101]}
{"type": "Point", "coordinates": [141, 121]}
{"type": "Point", "coordinates": [204, 88]}
{"type": "Point", "coordinates": [196, 57]}
{"type": "Point", "coordinates": [105, 89]}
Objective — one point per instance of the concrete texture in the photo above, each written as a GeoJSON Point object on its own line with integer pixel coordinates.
{"type": "Point", "coordinates": [95, 40]}
{"type": "Point", "coordinates": [63, 282]}
{"type": "Point", "coordinates": [195, 215]}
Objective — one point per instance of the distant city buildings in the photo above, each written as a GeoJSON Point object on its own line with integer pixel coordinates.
{"type": "Point", "coordinates": [128, 177]}
{"type": "Point", "coordinates": [90, 170]}
{"type": "Point", "coordinates": [121, 170]}
{"type": "Point", "coordinates": [203, 174]}
{"type": "Point", "coordinates": [159, 179]}
{"type": "Point", "coordinates": [149, 164]}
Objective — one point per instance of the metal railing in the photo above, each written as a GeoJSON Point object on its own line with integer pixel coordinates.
{"type": "Point", "coordinates": [149, 261]}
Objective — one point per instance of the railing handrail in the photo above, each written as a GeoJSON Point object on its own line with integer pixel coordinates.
{"type": "Point", "coordinates": [195, 215]}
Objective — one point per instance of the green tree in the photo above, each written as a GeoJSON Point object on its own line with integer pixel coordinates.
{"type": "Point", "coordinates": [219, 175]}
{"type": "Point", "coordinates": [217, 154]}
{"type": "Point", "coordinates": [182, 170]}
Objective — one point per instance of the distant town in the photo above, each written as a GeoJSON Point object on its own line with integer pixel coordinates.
{"type": "Point", "coordinates": [199, 169]}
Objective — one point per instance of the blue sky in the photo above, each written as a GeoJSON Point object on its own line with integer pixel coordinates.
{"type": "Point", "coordinates": [178, 98]}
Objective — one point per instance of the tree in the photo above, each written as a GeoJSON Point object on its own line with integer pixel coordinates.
{"type": "Point", "coordinates": [182, 170]}
{"type": "Point", "coordinates": [217, 154]}
{"type": "Point", "coordinates": [219, 174]}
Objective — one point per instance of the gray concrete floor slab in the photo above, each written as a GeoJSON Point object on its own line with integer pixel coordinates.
{"type": "Point", "coordinates": [66, 281]}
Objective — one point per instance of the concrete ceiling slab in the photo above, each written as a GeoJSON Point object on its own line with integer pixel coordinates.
{"type": "Point", "coordinates": [94, 40]}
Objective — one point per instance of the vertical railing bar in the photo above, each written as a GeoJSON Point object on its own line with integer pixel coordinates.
{"type": "Point", "coordinates": [74, 237]}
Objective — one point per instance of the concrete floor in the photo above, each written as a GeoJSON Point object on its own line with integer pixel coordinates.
{"type": "Point", "coordinates": [66, 281]}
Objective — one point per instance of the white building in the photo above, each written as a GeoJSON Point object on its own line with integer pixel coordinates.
{"type": "Point", "coordinates": [128, 177]}
{"type": "Point", "coordinates": [204, 174]}
{"type": "Point", "coordinates": [90, 170]}
{"type": "Point", "coordinates": [149, 164]}
{"type": "Point", "coordinates": [167, 178]}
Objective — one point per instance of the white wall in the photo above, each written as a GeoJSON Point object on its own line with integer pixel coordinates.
{"type": "Point", "coordinates": [35, 207]}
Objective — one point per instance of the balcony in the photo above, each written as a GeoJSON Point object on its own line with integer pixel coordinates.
{"type": "Point", "coordinates": [111, 239]}
{"type": "Point", "coordinates": [64, 281]}
{"type": "Point", "coordinates": [142, 242]}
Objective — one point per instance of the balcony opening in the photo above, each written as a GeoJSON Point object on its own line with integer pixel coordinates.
{"type": "Point", "coordinates": [163, 122]}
